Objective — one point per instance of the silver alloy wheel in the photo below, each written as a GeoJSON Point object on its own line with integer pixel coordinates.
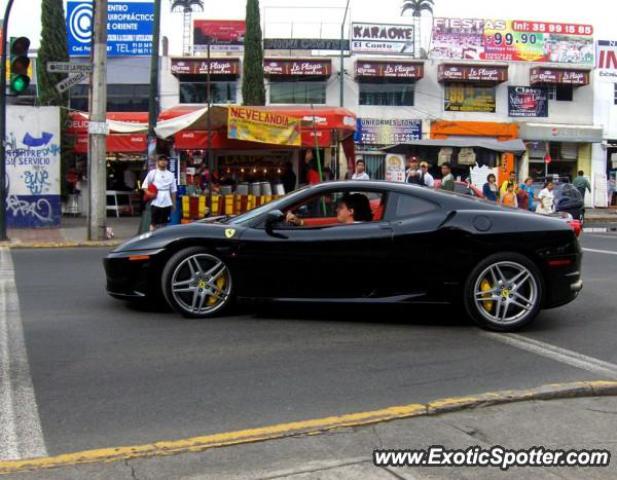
{"type": "Point", "coordinates": [505, 292]}
{"type": "Point", "coordinates": [201, 284]}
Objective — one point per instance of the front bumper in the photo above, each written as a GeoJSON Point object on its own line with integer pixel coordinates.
{"type": "Point", "coordinates": [133, 275]}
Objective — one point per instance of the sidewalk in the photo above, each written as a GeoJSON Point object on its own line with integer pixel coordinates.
{"type": "Point", "coordinates": [346, 454]}
{"type": "Point", "coordinates": [600, 215]}
{"type": "Point", "coordinates": [73, 230]}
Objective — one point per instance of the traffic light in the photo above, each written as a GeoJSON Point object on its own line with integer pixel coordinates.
{"type": "Point", "coordinates": [20, 63]}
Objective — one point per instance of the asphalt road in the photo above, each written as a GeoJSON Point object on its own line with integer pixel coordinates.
{"type": "Point", "coordinates": [107, 374]}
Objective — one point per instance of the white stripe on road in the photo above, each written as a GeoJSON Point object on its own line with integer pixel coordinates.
{"type": "Point", "coordinates": [593, 250]}
{"type": "Point", "coordinates": [568, 357]}
{"type": "Point", "coordinates": [20, 426]}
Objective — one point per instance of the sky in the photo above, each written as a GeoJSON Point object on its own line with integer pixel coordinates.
{"type": "Point", "coordinates": [321, 18]}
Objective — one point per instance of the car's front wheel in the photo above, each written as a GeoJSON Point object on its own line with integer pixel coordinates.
{"type": "Point", "coordinates": [504, 292]}
{"type": "Point", "coordinates": [196, 283]}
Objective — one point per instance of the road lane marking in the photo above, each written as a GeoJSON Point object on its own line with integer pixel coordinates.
{"type": "Point", "coordinates": [310, 427]}
{"type": "Point", "coordinates": [593, 250]}
{"type": "Point", "coordinates": [595, 235]}
{"type": "Point", "coordinates": [21, 435]}
{"type": "Point", "coordinates": [562, 355]}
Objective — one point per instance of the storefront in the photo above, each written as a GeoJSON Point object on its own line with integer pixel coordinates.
{"type": "Point", "coordinates": [297, 81]}
{"type": "Point", "coordinates": [495, 153]}
{"type": "Point", "coordinates": [126, 155]}
{"type": "Point", "coordinates": [249, 173]}
{"type": "Point", "coordinates": [192, 74]}
{"type": "Point", "coordinates": [567, 148]}
{"type": "Point", "coordinates": [471, 88]}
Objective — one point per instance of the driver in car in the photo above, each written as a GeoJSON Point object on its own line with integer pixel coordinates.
{"type": "Point", "coordinates": [351, 208]}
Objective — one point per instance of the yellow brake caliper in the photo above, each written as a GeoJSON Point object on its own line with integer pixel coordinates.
{"type": "Point", "coordinates": [220, 287]}
{"type": "Point", "coordinates": [486, 286]}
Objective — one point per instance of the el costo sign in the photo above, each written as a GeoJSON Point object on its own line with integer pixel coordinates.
{"type": "Point", "coordinates": [384, 39]}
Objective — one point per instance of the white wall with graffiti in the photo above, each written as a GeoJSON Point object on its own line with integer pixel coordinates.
{"type": "Point", "coordinates": [33, 166]}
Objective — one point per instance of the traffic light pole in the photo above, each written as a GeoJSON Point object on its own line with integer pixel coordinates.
{"type": "Point", "coordinates": [3, 177]}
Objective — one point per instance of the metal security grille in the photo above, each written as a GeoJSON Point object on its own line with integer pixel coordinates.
{"type": "Point", "coordinates": [375, 166]}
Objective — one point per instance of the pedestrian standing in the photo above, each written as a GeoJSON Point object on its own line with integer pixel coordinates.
{"type": "Point", "coordinates": [447, 180]}
{"type": "Point", "coordinates": [527, 187]}
{"type": "Point", "coordinates": [288, 178]}
{"type": "Point", "coordinates": [546, 199]}
{"type": "Point", "coordinates": [511, 179]}
{"type": "Point", "coordinates": [360, 173]}
{"type": "Point", "coordinates": [509, 199]}
{"type": "Point", "coordinates": [412, 174]}
{"type": "Point", "coordinates": [162, 183]}
{"type": "Point", "coordinates": [582, 184]}
{"type": "Point", "coordinates": [490, 190]}
{"type": "Point", "coordinates": [426, 179]}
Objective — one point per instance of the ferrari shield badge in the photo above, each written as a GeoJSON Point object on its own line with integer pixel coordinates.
{"type": "Point", "coordinates": [230, 232]}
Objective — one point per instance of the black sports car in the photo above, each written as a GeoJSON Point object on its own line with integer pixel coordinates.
{"type": "Point", "coordinates": [417, 245]}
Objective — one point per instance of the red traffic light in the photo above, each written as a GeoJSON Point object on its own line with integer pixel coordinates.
{"type": "Point", "coordinates": [20, 46]}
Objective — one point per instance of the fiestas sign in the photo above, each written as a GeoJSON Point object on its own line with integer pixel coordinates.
{"type": "Point", "coordinates": [254, 125]}
{"type": "Point", "coordinates": [385, 39]}
{"type": "Point", "coordinates": [512, 40]}
{"type": "Point", "coordinates": [221, 35]}
{"type": "Point", "coordinates": [33, 166]}
{"type": "Point", "coordinates": [606, 56]}
{"type": "Point", "coordinates": [527, 102]}
{"type": "Point", "coordinates": [129, 28]}
{"type": "Point", "coordinates": [377, 131]}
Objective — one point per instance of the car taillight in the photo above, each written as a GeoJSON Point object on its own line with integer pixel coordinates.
{"type": "Point", "coordinates": [576, 226]}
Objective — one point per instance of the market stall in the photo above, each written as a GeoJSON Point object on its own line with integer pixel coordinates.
{"type": "Point", "coordinates": [257, 153]}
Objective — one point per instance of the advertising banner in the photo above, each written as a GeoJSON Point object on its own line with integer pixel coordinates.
{"type": "Point", "coordinates": [255, 125]}
{"type": "Point", "coordinates": [129, 28]}
{"type": "Point", "coordinates": [527, 102]}
{"type": "Point", "coordinates": [412, 71]}
{"type": "Point", "coordinates": [298, 68]}
{"type": "Point", "coordinates": [196, 66]}
{"type": "Point", "coordinates": [469, 98]}
{"type": "Point", "coordinates": [33, 167]}
{"type": "Point", "coordinates": [223, 35]}
{"type": "Point", "coordinates": [512, 40]}
{"type": "Point", "coordinates": [383, 39]}
{"type": "Point", "coordinates": [395, 168]}
{"type": "Point", "coordinates": [376, 131]}
{"type": "Point", "coordinates": [606, 55]}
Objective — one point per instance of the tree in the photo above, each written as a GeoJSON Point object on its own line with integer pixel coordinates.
{"type": "Point", "coordinates": [253, 90]}
{"type": "Point", "coordinates": [187, 7]}
{"type": "Point", "coordinates": [54, 48]}
{"type": "Point", "coordinates": [417, 7]}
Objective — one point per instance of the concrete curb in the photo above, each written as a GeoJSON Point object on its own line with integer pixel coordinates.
{"type": "Point", "coordinates": [311, 427]}
{"type": "Point", "coordinates": [56, 245]}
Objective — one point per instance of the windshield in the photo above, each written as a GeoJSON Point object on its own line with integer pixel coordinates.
{"type": "Point", "coordinates": [252, 214]}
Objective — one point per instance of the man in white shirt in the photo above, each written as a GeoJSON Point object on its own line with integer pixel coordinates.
{"type": "Point", "coordinates": [360, 173]}
{"type": "Point", "coordinates": [426, 178]}
{"type": "Point", "coordinates": [166, 188]}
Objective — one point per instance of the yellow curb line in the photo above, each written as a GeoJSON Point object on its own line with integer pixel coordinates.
{"type": "Point", "coordinates": [42, 245]}
{"type": "Point", "coordinates": [309, 427]}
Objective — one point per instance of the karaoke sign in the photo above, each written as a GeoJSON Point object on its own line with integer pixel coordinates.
{"type": "Point", "coordinates": [129, 28]}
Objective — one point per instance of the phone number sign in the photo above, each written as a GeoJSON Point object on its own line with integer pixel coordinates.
{"type": "Point", "coordinates": [129, 28]}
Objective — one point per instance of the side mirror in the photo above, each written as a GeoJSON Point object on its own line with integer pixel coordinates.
{"type": "Point", "coordinates": [274, 217]}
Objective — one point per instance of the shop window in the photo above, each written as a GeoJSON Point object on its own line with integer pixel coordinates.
{"type": "Point", "coordinates": [387, 93]}
{"type": "Point", "coordinates": [197, 92]}
{"type": "Point", "coordinates": [561, 93]}
{"type": "Point", "coordinates": [615, 98]}
{"type": "Point", "coordinates": [410, 206]}
{"type": "Point", "coordinates": [461, 97]}
{"type": "Point", "coordinates": [298, 92]}
{"type": "Point", "coordinates": [120, 98]}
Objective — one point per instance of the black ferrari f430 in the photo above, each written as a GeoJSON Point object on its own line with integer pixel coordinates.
{"type": "Point", "coordinates": [417, 245]}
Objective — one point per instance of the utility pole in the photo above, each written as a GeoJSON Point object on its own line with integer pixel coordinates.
{"type": "Point", "coordinates": [153, 106]}
{"type": "Point", "coordinates": [342, 68]}
{"type": "Point", "coordinates": [210, 158]}
{"type": "Point", "coordinates": [97, 129]}
{"type": "Point", "coordinates": [3, 192]}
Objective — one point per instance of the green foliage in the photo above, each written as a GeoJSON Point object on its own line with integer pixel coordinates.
{"type": "Point", "coordinates": [416, 6]}
{"type": "Point", "coordinates": [253, 89]}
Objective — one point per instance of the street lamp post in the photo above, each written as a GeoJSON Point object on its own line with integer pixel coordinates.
{"type": "Point", "coordinates": [3, 177]}
{"type": "Point", "coordinates": [342, 69]}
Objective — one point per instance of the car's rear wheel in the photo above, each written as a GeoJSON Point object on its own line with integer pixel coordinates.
{"type": "Point", "coordinates": [504, 292]}
{"type": "Point", "coordinates": [196, 283]}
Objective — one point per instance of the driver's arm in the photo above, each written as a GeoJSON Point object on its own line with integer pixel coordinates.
{"type": "Point", "coordinates": [294, 220]}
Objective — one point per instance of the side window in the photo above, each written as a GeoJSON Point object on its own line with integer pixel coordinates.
{"type": "Point", "coordinates": [333, 208]}
{"type": "Point", "coordinates": [406, 206]}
